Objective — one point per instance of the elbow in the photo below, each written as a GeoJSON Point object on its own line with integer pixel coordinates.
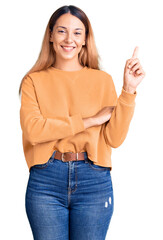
{"type": "Point", "coordinates": [115, 144]}
{"type": "Point", "coordinates": [28, 135]}
{"type": "Point", "coordinates": [32, 142]}
{"type": "Point", "coordinates": [30, 138]}
{"type": "Point", "coordinates": [114, 140]}
{"type": "Point", "coordinates": [28, 132]}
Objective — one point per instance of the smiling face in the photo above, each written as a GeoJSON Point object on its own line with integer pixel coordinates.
{"type": "Point", "coordinates": [68, 36]}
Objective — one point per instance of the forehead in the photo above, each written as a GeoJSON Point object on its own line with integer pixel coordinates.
{"type": "Point", "coordinates": [69, 21]}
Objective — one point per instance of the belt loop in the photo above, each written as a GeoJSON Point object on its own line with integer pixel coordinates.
{"type": "Point", "coordinates": [53, 155]}
{"type": "Point", "coordinates": [62, 156]}
{"type": "Point", "coordinates": [86, 160]}
{"type": "Point", "coordinates": [77, 156]}
{"type": "Point", "coordinates": [86, 157]}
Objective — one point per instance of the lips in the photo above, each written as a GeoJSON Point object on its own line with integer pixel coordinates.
{"type": "Point", "coordinates": [68, 48]}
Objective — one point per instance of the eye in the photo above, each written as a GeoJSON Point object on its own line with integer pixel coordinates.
{"type": "Point", "coordinates": [77, 33]}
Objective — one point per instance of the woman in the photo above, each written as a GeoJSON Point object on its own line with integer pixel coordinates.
{"type": "Point", "coordinates": [70, 118]}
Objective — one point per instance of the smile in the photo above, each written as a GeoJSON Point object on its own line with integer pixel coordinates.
{"type": "Point", "coordinates": [67, 49]}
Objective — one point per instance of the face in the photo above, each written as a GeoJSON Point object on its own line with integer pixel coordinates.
{"type": "Point", "coordinates": [68, 36]}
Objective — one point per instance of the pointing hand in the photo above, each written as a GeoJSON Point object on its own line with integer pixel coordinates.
{"type": "Point", "coordinates": [133, 73]}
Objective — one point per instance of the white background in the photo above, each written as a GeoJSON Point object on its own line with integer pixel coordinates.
{"type": "Point", "coordinates": [137, 174]}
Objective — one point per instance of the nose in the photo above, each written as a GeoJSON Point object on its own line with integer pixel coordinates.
{"type": "Point", "coordinates": [68, 38]}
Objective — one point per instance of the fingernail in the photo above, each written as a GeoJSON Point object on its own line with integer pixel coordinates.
{"type": "Point", "coordinates": [131, 71]}
{"type": "Point", "coordinates": [129, 66]}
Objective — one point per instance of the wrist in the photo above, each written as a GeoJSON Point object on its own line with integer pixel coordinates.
{"type": "Point", "coordinates": [129, 89]}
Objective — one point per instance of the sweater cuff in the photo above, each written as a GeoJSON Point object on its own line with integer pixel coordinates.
{"type": "Point", "coordinates": [77, 123]}
{"type": "Point", "coordinates": [127, 97]}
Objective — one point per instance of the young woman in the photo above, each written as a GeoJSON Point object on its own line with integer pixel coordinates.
{"type": "Point", "coordinates": [71, 117]}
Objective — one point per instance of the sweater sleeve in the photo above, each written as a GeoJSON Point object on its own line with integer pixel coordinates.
{"type": "Point", "coordinates": [38, 129]}
{"type": "Point", "coordinates": [115, 130]}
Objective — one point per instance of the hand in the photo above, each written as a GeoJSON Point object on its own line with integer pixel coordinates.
{"type": "Point", "coordinates": [133, 73]}
{"type": "Point", "coordinates": [103, 115]}
{"type": "Point", "coordinates": [99, 118]}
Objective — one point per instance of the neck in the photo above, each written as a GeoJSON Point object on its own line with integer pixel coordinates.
{"type": "Point", "coordinates": [68, 65]}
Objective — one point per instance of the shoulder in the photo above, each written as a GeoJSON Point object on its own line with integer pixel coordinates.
{"type": "Point", "coordinates": [31, 78]}
{"type": "Point", "coordinates": [100, 74]}
{"type": "Point", "coordinates": [36, 76]}
{"type": "Point", "coordinates": [40, 73]}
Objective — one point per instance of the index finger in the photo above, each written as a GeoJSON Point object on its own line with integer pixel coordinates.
{"type": "Point", "coordinates": [135, 53]}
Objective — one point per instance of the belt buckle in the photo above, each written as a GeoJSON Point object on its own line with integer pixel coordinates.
{"type": "Point", "coordinates": [63, 159]}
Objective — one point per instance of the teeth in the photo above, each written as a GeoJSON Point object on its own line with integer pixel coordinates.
{"type": "Point", "coordinates": [68, 47]}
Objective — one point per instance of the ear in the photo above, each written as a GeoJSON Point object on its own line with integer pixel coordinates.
{"type": "Point", "coordinates": [83, 43]}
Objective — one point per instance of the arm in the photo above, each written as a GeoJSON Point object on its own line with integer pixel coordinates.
{"type": "Point", "coordinates": [115, 130]}
{"type": "Point", "coordinates": [38, 129]}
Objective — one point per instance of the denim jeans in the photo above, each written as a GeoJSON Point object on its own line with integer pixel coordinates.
{"type": "Point", "coordinates": [69, 200]}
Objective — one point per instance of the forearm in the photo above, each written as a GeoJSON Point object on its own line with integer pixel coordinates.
{"type": "Point", "coordinates": [89, 122]}
{"type": "Point", "coordinates": [116, 129]}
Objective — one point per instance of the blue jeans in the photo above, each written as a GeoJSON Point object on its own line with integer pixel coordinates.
{"type": "Point", "coordinates": [69, 200]}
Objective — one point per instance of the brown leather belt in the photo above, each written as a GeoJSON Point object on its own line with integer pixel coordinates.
{"type": "Point", "coordinates": [69, 156]}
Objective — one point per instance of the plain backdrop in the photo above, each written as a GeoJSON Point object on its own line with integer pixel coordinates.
{"type": "Point", "coordinates": [137, 174]}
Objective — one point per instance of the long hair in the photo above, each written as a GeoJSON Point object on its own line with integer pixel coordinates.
{"type": "Point", "coordinates": [88, 55]}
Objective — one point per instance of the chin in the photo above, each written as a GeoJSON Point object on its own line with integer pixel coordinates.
{"type": "Point", "coordinates": [68, 57]}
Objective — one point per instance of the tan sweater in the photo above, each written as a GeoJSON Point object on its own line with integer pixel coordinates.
{"type": "Point", "coordinates": [53, 103]}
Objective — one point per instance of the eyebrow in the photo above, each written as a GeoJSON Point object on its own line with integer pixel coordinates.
{"type": "Point", "coordinates": [66, 28]}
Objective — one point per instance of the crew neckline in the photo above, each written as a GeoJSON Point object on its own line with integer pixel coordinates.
{"type": "Point", "coordinates": [64, 71]}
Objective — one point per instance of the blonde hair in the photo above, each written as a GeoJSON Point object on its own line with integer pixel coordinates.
{"type": "Point", "coordinates": [88, 55]}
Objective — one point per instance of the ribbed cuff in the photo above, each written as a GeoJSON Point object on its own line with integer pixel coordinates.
{"type": "Point", "coordinates": [127, 97]}
{"type": "Point", "coordinates": [77, 123]}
